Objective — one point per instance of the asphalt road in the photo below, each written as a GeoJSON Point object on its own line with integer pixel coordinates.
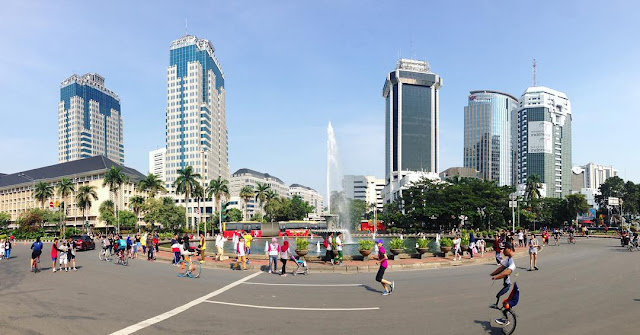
{"type": "Point", "coordinates": [586, 288]}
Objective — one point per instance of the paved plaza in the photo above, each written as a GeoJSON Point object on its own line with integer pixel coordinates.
{"type": "Point", "coordinates": [586, 288]}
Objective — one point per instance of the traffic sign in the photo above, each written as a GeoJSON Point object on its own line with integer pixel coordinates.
{"type": "Point", "coordinates": [513, 204]}
{"type": "Point", "coordinates": [57, 203]}
{"type": "Point", "coordinates": [51, 204]}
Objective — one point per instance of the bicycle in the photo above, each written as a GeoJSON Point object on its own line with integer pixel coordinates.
{"type": "Point", "coordinates": [122, 258]}
{"type": "Point", "coordinates": [189, 268]}
{"type": "Point", "coordinates": [105, 255]}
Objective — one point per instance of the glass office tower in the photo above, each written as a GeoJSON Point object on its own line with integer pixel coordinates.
{"type": "Point", "coordinates": [411, 95]}
{"type": "Point", "coordinates": [488, 144]}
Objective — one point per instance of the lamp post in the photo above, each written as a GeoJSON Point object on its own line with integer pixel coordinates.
{"type": "Point", "coordinates": [481, 213]}
{"type": "Point", "coordinates": [513, 197]}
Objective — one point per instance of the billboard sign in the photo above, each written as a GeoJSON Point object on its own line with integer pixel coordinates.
{"type": "Point", "coordinates": [540, 137]}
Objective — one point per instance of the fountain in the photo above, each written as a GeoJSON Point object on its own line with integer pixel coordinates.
{"type": "Point", "coordinates": [334, 175]}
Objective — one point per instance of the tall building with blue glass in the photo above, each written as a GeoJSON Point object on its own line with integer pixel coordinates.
{"type": "Point", "coordinates": [89, 120]}
{"type": "Point", "coordinates": [412, 106]}
{"type": "Point", "coordinates": [196, 129]}
{"type": "Point", "coordinates": [488, 142]}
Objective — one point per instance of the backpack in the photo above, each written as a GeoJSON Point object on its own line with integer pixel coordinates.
{"type": "Point", "coordinates": [325, 244]}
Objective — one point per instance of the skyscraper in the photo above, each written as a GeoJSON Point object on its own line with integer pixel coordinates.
{"type": "Point", "coordinates": [89, 120]}
{"type": "Point", "coordinates": [196, 130]}
{"type": "Point", "coordinates": [488, 144]}
{"type": "Point", "coordinates": [544, 140]}
{"type": "Point", "coordinates": [411, 93]}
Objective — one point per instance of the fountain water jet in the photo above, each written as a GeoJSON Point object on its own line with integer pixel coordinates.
{"type": "Point", "coordinates": [334, 175]}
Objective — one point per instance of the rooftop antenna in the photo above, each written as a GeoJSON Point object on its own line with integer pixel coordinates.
{"type": "Point", "coordinates": [534, 72]}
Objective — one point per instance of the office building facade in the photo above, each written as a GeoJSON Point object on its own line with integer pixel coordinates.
{"type": "Point", "coordinates": [89, 120]}
{"type": "Point", "coordinates": [311, 196]}
{"type": "Point", "coordinates": [196, 130]}
{"type": "Point", "coordinates": [411, 93]}
{"type": "Point", "coordinates": [157, 163]}
{"type": "Point", "coordinates": [365, 188]}
{"type": "Point", "coordinates": [544, 140]}
{"type": "Point", "coordinates": [488, 143]}
{"type": "Point", "coordinates": [251, 178]}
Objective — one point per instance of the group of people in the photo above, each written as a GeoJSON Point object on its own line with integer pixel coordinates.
{"type": "Point", "coordinates": [6, 246]}
{"type": "Point", "coordinates": [64, 252]}
{"type": "Point", "coordinates": [475, 246]}
{"type": "Point", "coordinates": [183, 249]}
{"type": "Point", "coordinates": [146, 243]}
{"type": "Point", "coordinates": [504, 238]}
{"type": "Point", "coordinates": [275, 251]}
{"type": "Point", "coordinates": [330, 244]}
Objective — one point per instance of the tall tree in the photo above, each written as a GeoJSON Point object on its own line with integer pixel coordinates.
{"type": "Point", "coordinates": [532, 187]}
{"type": "Point", "coordinates": [107, 213]}
{"type": "Point", "coordinates": [115, 178]}
{"type": "Point", "coordinates": [42, 192]}
{"type": "Point", "coordinates": [576, 204]}
{"type": "Point", "coordinates": [83, 199]}
{"type": "Point", "coordinates": [269, 197]}
{"type": "Point", "coordinates": [199, 194]}
{"type": "Point", "coordinates": [612, 187]}
{"type": "Point", "coordinates": [218, 188]}
{"type": "Point", "coordinates": [136, 203]}
{"type": "Point", "coordinates": [65, 188]}
{"type": "Point", "coordinates": [261, 194]}
{"type": "Point", "coordinates": [185, 183]}
{"type": "Point", "coordinates": [246, 193]}
{"type": "Point", "coordinates": [151, 184]}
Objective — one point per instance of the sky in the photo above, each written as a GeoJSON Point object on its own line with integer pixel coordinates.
{"type": "Point", "coordinates": [291, 67]}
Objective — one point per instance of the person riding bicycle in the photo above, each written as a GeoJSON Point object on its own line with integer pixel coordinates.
{"type": "Point", "coordinates": [635, 240]}
{"type": "Point", "coordinates": [556, 235]}
{"type": "Point", "coordinates": [122, 246]}
{"type": "Point", "coordinates": [504, 272]}
{"type": "Point", "coordinates": [37, 250]}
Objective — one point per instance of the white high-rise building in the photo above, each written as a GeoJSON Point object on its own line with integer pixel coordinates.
{"type": "Point", "coordinates": [89, 120]}
{"type": "Point", "coordinates": [196, 132]}
{"type": "Point", "coordinates": [157, 163]}
{"type": "Point", "coordinates": [311, 196]}
{"type": "Point", "coordinates": [365, 188]}
{"type": "Point", "coordinates": [595, 175]}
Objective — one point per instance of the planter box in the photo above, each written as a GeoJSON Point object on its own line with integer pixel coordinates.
{"type": "Point", "coordinates": [302, 253]}
{"type": "Point", "coordinates": [422, 250]}
{"type": "Point", "coordinates": [396, 251]}
{"type": "Point", "coordinates": [445, 250]}
{"type": "Point", "coordinates": [365, 253]}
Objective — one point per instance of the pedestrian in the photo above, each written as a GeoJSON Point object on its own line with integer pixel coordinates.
{"type": "Point", "coordinates": [54, 254]}
{"type": "Point", "coordinates": [496, 248]}
{"type": "Point", "coordinates": [71, 253]}
{"type": "Point", "coordinates": [220, 246]}
{"type": "Point", "coordinates": [247, 245]}
{"type": "Point", "coordinates": [7, 248]}
{"type": "Point", "coordinates": [62, 256]}
{"type": "Point", "coordinates": [174, 248]}
{"type": "Point", "coordinates": [387, 286]}
{"type": "Point", "coordinates": [241, 254]}
{"type": "Point", "coordinates": [202, 246]}
{"type": "Point", "coordinates": [520, 238]}
{"type": "Point", "coordinates": [533, 253]}
{"type": "Point", "coordinates": [285, 254]}
{"type": "Point", "coordinates": [273, 250]}
{"type": "Point", "coordinates": [156, 244]}
{"type": "Point", "coordinates": [111, 240]}
{"type": "Point", "coordinates": [339, 248]}
{"type": "Point", "coordinates": [525, 235]}
{"type": "Point", "coordinates": [481, 244]}
{"type": "Point", "coordinates": [472, 244]}
{"type": "Point", "coordinates": [328, 243]}
{"type": "Point", "coordinates": [143, 243]}
{"type": "Point", "coordinates": [456, 248]}
{"type": "Point", "coordinates": [545, 237]}
{"type": "Point", "coordinates": [137, 245]}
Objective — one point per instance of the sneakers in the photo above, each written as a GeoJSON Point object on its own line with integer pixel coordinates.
{"type": "Point", "coordinates": [74, 269]}
{"type": "Point", "coordinates": [503, 322]}
{"type": "Point", "coordinates": [385, 293]}
{"type": "Point", "coordinates": [536, 268]}
{"type": "Point", "coordinates": [493, 306]}
{"type": "Point", "coordinates": [54, 271]}
{"type": "Point", "coordinates": [393, 286]}
{"type": "Point", "coordinates": [269, 271]}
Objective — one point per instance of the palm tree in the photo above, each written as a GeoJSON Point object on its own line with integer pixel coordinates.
{"type": "Point", "coordinates": [115, 178]}
{"type": "Point", "coordinates": [65, 188]}
{"type": "Point", "coordinates": [533, 186]}
{"type": "Point", "coordinates": [261, 194]}
{"type": "Point", "coordinates": [198, 193]}
{"type": "Point", "coordinates": [136, 203]}
{"type": "Point", "coordinates": [218, 188]}
{"type": "Point", "coordinates": [247, 194]}
{"type": "Point", "coordinates": [83, 199]}
{"type": "Point", "coordinates": [42, 191]}
{"type": "Point", "coordinates": [152, 184]}
{"type": "Point", "coordinates": [269, 197]}
{"type": "Point", "coordinates": [186, 183]}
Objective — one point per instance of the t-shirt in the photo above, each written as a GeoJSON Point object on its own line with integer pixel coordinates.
{"type": "Point", "coordinates": [329, 246]}
{"type": "Point", "coordinates": [274, 249]}
{"type": "Point", "coordinates": [509, 264]}
{"type": "Point", "coordinates": [247, 240]}
{"type": "Point", "coordinates": [383, 261]}
{"type": "Point", "coordinates": [520, 236]}
{"type": "Point", "coordinates": [338, 244]}
{"type": "Point", "coordinates": [54, 250]}
{"type": "Point", "coordinates": [240, 249]}
{"type": "Point", "coordinates": [36, 246]}
{"type": "Point", "coordinates": [122, 243]}
{"type": "Point", "coordinates": [533, 245]}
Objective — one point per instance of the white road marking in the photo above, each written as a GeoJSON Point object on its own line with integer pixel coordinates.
{"type": "Point", "coordinates": [305, 285]}
{"type": "Point", "coordinates": [294, 308]}
{"type": "Point", "coordinates": [151, 321]}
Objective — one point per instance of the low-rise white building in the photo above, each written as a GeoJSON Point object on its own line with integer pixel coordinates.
{"type": "Point", "coordinates": [251, 178]}
{"type": "Point", "coordinates": [402, 180]}
{"type": "Point", "coordinates": [311, 196]}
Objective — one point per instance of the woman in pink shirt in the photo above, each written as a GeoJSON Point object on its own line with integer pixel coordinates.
{"type": "Point", "coordinates": [388, 286]}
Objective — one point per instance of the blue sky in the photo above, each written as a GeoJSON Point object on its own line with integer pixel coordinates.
{"type": "Point", "coordinates": [292, 66]}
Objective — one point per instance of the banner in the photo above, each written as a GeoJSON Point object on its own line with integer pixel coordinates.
{"type": "Point", "coordinates": [540, 137]}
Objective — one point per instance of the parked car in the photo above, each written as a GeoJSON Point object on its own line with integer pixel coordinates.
{"type": "Point", "coordinates": [84, 242]}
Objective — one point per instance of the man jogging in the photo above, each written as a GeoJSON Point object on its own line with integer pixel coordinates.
{"type": "Point", "coordinates": [503, 272]}
{"type": "Point", "coordinates": [387, 286]}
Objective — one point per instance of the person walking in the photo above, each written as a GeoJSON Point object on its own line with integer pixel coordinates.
{"type": "Point", "coordinates": [71, 253]}
{"type": "Point", "coordinates": [497, 247]}
{"type": "Point", "coordinates": [220, 246]}
{"type": "Point", "coordinates": [285, 254]}
{"type": "Point", "coordinates": [533, 253]}
{"type": "Point", "coordinates": [175, 248]}
{"type": "Point", "coordinates": [387, 286]}
{"type": "Point", "coordinates": [339, 248]}
{"type": "Point", "coordinates": [241, 254]}
{"type": "Point", "coordinates": [472, 244]}
{"type": "Point", "coordinates": [202, 246]}
{"type": "Point", "coordinates": [137, 246]}
{"type": "Point", "coordinates": [456, 248]}
{"type": "Point", "coordinates": [273, 250]}
{"type": "Point", "coordinates": [54, 254]}
{"type": "Point", "coordinates": [247, 245]}
{"type": "Point", "coordinates": [7, 248]}
{"type": "Point", "coordinates": [328, 243]}
{"type": "Point", "coordinates": [520, 238]}
{"type": "Point", "coordinates": [143, 243]}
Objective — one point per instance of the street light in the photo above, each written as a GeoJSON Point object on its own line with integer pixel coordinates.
{"type": "Point", "coordinates": [514, 198]}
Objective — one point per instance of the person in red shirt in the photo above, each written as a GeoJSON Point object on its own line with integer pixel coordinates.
{"type": "Point", "coordinates": [155, 245]}
{"type": "Point", "coordinates": [54, 253]}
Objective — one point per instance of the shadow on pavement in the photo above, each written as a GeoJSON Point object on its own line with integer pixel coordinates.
{"type": "Point", "coordinates": [371, 289]}
{"type": "Point", "coordinates": [486, 325]}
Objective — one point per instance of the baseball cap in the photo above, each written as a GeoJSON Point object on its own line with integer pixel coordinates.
{"type": "Point", "coordinates": [379, 240]}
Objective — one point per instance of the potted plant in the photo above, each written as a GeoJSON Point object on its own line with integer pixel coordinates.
{"type": "Point", "coordinates": [445, 245]}
{"type": "Point", "coordinates": [397, 245]}
{"type": "Point", "coordinates": [301, 246]}
{"type": "Point", "coordinates": [423, 245]}
{"type": "Point", "coordinates": [464, 242]}
{"type": "Point", "coordinates": [365, 247]}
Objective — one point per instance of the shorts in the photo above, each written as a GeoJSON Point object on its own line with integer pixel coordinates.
{"type": "Point", "coordinates": [35, 254]}
{"type": "Point", "coordinates": [247, 250]}
{"type": "Point", "coordinates": [63, 261]}
{"type": "Point", "coordinates": [54, 259]}
{"type": "Point", "coordinates": [380, 273]}
{"type": "Point", "coordinates": [72, 256]}
{"type": "Point", "coordinates": [533, 251]}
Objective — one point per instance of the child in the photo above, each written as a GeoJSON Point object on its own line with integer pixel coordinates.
{"type": "Point", "coordinates": [62, 256]}
{"type": "Point", "coordinates": [456, 248]}
{"type": "Point", "coordinates": [241, 254]}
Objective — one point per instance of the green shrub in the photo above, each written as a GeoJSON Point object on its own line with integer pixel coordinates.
{"type": "Point", "coordinates": [423, 242]}
{"type": "Point", "coordinates": [397, 243]}
{"type": "Point", "coordinates": [464, 240]}
{"type": "Point", "coordinates": [365, 244]}
{"type": "Point", "coordinates": [446, 242]}
{"type": "Point", "coordinates": [302, 243]}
